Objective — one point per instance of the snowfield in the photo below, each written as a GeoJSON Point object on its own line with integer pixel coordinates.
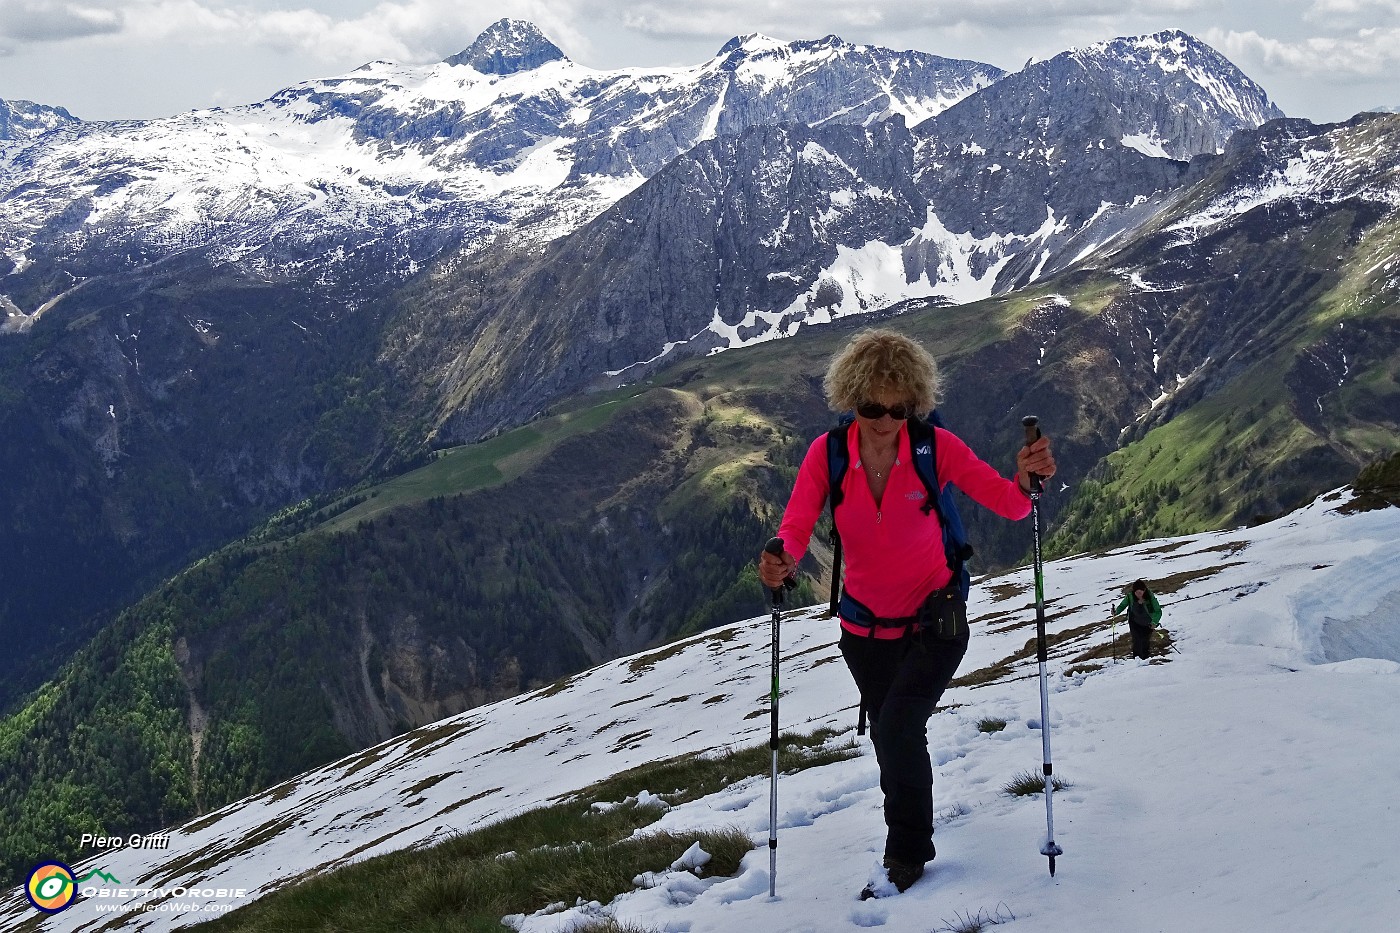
{"type": "Point", "coordinates": [1244, 781]}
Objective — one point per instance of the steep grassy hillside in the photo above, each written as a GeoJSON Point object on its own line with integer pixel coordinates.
{"type": "Point", "coordinates": [498, 569]}
{"type": "Point", "coordinates": [150, 419]}
{"type": "Point", "coordinates": [1277, 348]}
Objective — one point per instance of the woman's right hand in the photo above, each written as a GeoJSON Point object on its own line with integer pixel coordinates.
{"type": "Point", "coordinates": [773, 569]}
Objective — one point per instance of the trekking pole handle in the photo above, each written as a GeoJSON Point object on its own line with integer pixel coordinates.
{"type": "Point", "coordinates": [775, 547]}
{"type": "Point", "coordinates": [1031, 424]}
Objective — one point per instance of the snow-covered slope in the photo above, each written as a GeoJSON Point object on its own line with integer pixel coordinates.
{"type": "Point", "coordinates": [1239, 782]}
{"type": "Point", "coordinates": [1300, 167]}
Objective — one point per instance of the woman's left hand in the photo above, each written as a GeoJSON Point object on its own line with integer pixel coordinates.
{"type": "Point", "coordinates": [1034, 458]}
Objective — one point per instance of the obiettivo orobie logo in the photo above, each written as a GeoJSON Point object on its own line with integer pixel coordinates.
{"type": "Point", "coordinates": [51, 887]}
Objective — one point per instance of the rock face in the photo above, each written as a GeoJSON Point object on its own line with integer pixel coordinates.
{"type": "Point", "coordinates": [508, 46]}
{"type": "Point", "coordinates": [25, 120]}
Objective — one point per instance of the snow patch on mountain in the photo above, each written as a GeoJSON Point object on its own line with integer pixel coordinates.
{"type": "Point", "coordinates": [1352, 161]}
{"type": "Point", "coordinates": [934, 262]}
{"type": "Point", "coordinates": [878, 274]}
{"type": "Point", "coordinates": [1148, 144]}
{"type": "Point", "coordinates": [1297, 179]}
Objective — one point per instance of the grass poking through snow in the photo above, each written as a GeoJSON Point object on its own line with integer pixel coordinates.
{"type": "Point", "coordinates": [556, 854]}
{"type": "Point", "coordinates": [1028, 782]}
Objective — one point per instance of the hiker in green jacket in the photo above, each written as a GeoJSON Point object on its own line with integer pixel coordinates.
{"type": "Point", "coordinates": [1144, 614]}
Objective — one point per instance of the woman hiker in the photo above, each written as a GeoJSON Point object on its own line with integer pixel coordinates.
{"type": "Point", "coordinates": [1144, 614]}
{"type": "Point", "coordinates": [894, 564]}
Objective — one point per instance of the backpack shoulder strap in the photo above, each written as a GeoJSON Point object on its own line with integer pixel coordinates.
{"type": "Point", "coordinates": [923, 437]}
{"type": "Point", "coordinates": [838, 461]}
{"type": "Point", "coordinates": [923, 442]}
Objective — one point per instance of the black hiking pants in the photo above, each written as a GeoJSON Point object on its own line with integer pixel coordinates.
{"type": "Point", "coordinates": [1142, 639]}
{"type": "Point", "coordinates": [900, 682]}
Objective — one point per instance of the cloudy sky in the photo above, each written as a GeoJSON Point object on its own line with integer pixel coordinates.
{"type": "Point", "coordinates": [111, 59]}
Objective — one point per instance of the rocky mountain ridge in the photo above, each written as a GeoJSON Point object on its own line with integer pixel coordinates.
{"type": "Point", "coordinates": [789, 226]}
{"type": "Point", "coordinates": [22, 120]}
{"type": "Point", "coordinates": [358, 180]}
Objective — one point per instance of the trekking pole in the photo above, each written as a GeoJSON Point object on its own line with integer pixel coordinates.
{"type": "Point", "coordinates": [1050, 849]}
{"type": "Point", "coordinates": [774, 547]}
{"type": "Point", "coordinates": [1113, 618]}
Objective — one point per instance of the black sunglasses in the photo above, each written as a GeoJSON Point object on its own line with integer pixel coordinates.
{"type": "Point", "coordinates": [874, 410]}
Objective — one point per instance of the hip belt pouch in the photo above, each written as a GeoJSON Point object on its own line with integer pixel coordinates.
{"type": "Point", "coordinates": [944, 612]}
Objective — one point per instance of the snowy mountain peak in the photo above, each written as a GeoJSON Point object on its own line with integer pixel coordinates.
{"type": "Point", "coordinates": [750, 44]}
{"type": "Point", "coordinates": [1173, 57]}
{"type": "Point", "coordinates": [24, 119]}
{"type": "Point", "coordinates": [508, 46]}
{"type": "Point", "coordinates": [1170, 50]}
{"type": "Point", "coordinates": [755, 46]}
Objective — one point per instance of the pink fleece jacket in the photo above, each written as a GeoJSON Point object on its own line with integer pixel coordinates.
{"type": "Point", "coordinates": [893, 552]}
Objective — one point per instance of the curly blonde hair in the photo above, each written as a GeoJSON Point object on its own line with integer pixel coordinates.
{"type": "Point", "coordinates": [876, 360]}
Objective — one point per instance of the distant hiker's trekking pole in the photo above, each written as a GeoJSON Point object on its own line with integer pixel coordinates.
{"type": "Point", "coordinates": [1050, 850]}
{"type": "Point", "coordinates": [774, 547]}
{"type": "Point", "coordinates": [1113, 618]}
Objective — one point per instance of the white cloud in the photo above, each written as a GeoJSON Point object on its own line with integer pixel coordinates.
{"type": "Point", "coordinates": [1325, 8]}
{"type": "Point", "coordinates": [1349, 15]}
{"type": "Point", "coordinates": [716, 18]}
{"type": "Point", "coordinates": [53, 20]}
{"type": "Point", "coordinates": [1366, 53]}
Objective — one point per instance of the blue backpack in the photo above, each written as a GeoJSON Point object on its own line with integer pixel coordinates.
{"type": "Point", "coordinates": [939, 502]}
